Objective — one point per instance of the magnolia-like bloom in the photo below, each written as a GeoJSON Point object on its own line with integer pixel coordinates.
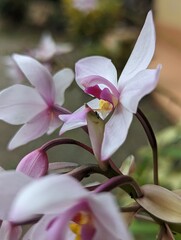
{"type": "Point", "coordinates": [97, 76]}
{"type": "Point", "coordinates": [37, 108]}
{"type": "Point", "coordinates": [47, 49]}
{"type": "Point", "coordinates": [70, 211]}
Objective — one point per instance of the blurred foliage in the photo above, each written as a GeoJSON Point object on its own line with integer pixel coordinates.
{"type": "Point", "coordinates": [91, 25]}
{"type": "Point", "coordinates": [169, 147]}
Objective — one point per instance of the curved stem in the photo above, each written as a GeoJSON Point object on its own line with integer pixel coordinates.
{"type": "Point", "coordinates": [60, 141]}
{"type": "Point", "coordinates": [127, 183]}
{"type": "Point", "coordinates": [152, 140]}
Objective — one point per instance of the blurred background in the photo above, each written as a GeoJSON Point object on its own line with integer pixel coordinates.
{"type": "Point", "coordinates": [99, 27]}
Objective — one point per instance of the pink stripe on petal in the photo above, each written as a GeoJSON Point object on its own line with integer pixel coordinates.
{"type": "Point", "coordinates": [97, 80]}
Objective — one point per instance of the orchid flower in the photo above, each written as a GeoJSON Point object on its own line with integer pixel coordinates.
{"type": "Point", "coordinates": [37, 108]}
{"type": "Point", "coordinates": [47, 48]}
{"type": "Point", "coordinates": [70, 211]}
{"type": "Point", "coordinates": [97, 76]}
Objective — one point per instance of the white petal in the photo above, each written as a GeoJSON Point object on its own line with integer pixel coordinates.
{"type": "Point", "coordinates": [116, 130]}
{"type": "Point", "coordinates": [62, 81]}
{"type": "Point", "coordinates": [47, 195]}
{"type": "Point", "coordinates": [142, 52]}
{"type": "Point", "coordinates": [109, 220]}
{"type": "Point", "coordinates": [31, 130]}
{"type": "Point", "coordinates": [38, 76]}
{"type": "Point", "coordinates": [18, 104]}
{"type": "Point", "coordinates": [10, 183]}
{"type": "Point", "coordinates": [95, 65]}
{"type": "Point", "coordinates": [139, 86]}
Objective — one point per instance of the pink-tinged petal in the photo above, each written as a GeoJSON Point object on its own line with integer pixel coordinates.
{"type": "Point", "coordinates": [18, 104]}
{"type": "Point", "coordinates": [74, 120]}
{"type": "Point", "coordinates": [142, 52]}
{"type": "Point", "coordinates": [109, 222]}
{"type": "Point", "coordinates": [116, 130]}
{"type": "Point", "coordinates": [47, 195]}
{"type": "Point", "coordinates": [10, 183]}
{"type": "Point", "coordinates": [38, 76]}
{"type": "Point", "coordinates": [139, 86]}
{"type": "Point", "coordinates": [95, 66]}
{"type": "Point", "coordinates": [31, 130]}
{"type": "Point", "coordinates": [35, 164]}
{"type": "Point", "coordinates": [93, 80]}
{"type": "Point", "coordinates": [10, 232]}
{"type": "Point", "coordinates": [58, 228]}
{"type": "Point", "coordinates": [55, 121]}
{"type": "Point", "coordinates": [62, 81]}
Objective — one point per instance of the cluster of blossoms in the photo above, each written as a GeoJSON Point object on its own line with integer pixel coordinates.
{"type": "Point", "coordinates": [49, 196]}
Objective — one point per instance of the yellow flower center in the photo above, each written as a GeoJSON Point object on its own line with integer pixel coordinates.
{"type": "Point", "coordinates": [79, 220]}
{"type": "Point", "coordinates": [105, 105]}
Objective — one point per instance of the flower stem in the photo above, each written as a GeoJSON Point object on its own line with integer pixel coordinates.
{"type": "Point", "coordinates": [152, 140]}
{"type": "Point", "coordinates": [127, 183]}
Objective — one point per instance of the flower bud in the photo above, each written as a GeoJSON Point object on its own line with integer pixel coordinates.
{"type": "Point", "coordinates": [35, 164]}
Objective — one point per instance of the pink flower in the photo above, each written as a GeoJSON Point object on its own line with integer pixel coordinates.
{"type": "Point", "coordinates": [35, 164]}
{"type": "Point", "coordinates": [37, 108]}
{"type": "Point", "coordinates": [47, 49]}
{"type": "Point", "coordinates": [70, 211]}
{"type": "Point", "coordinates": [97, 76]}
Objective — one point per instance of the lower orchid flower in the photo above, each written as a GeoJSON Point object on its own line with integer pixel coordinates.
{"type": "Point", "coordinates": [37, 108]}
{"type": "Point", "coordinates": [70, 211]}
{"type": "Point", "coordinates": [97, 76]}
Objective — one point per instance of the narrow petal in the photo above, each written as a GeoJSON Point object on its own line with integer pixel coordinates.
{"type": "Point", "coordinates": [55, 122]}
{"type": "Point", "coordinates": [116, 130]}
{"type": "Point", "coordinates": [74, 120]}
{"type": "Point", "coordinates": [18, 104]}
{"type": "Point", "coordinates": [95, 65]}
{"type": "Point", "coordinates": [139, 86]}
{"type": "Point", "coordinates": [38, 76]}
{"type": "Point", "coordinates": [142, 52]}
{"type": "Point", "coordinates": [10, 183]}
{"type": "Point", "coordinates": [31, 130]}
{"type": "Point", "coordinates": [62, 81]}
{"type": "Point", "coordinates": [62, 190]}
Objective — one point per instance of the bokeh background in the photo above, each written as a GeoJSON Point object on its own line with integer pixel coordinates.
{"type": "Point", "coordinates": [107, 28]}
